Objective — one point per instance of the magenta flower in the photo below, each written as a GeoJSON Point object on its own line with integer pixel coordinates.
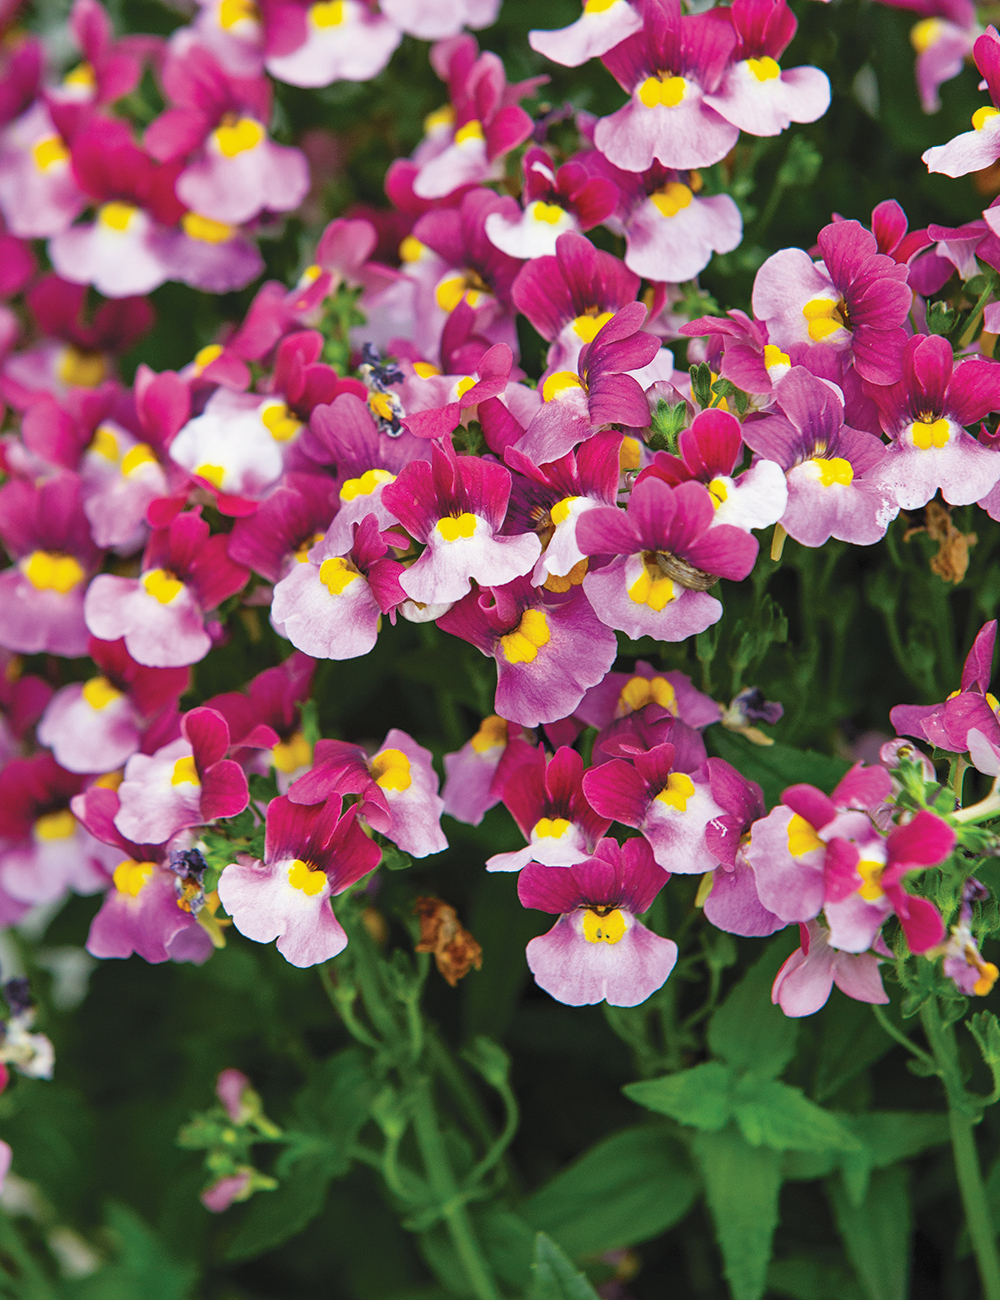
{"type": "Point", "coordinates": [469, 139]}
{"type": "Point", "coordinates": [738, 349]}
{"type": "Point", "coordinates": [549, 649]}
{"type": "Point", "coordinates": [39, 194]}
{"type": "Point", "coordinates": [288, 522]}
{"type": "Point", "coordinates": [217, 124]}
{"type": "Point", "coordinates": [709, 452]}
{"type": "Point", "coordinates": [185, 574]}
{"type": "Point", "coordinates": [755, 94]}
{"type": "Point", "coordinates": [554, 202]}
{"type": "Point", "coordinates": [306, 46]}
{"type": "Point", "coordinates": [667, 70]}
{"type": "Point", "coordinates": [598, 29]}
{"type": "Point", "coordinates": [187, 783]}
{"type": "Point", "coordinates": [490, 380]}
{"type": "Point", "coordinates": [806, 979]}
{"type": "Point", "coordinates": [855, 300]}
{"type": "Point", "coordinates": [310, 853]}
{"type": "Point", "coordinates": [834, 472]}
{"type": "Point", "coordinates": [575, 404]}
{"type": "Point", "coordinates": [331, 605]}
{"type": "Point", "coordinates": [669, 807]}
{"type": "Point", "coordinates": [666, 557]}
{"type": "Point", "coordinates": [45, 851]}
{"type": "Point", "coordinates": [153, 908]}
{"type": "Point", "coordinates": [476, 774]}
{"type": "Point", "coordinates": [397, 789]}
{"type": "Point", "coordinates": [621, 694]}
{"type": "Point", "coordinates": [455, 506]}
{"type": "Point", "coordinates": [95, 726]}
{"type": "Point", "coordinates": [270, 710]}
{"type": "Point", "coordinates": [571, 296]}
{"type": "Point", "coordinates": [110, 69]}
{"type": "Point", "coordinates": [972, 707]}
{"type": "Point", "coordinates": [546, 798]}
{"type": "Point", "coordinates": [432, 20]}
{"type": "Point", "coordinates": [923, 413]}
{"type": "Point", "coordinates": [732, 903]}
{"type": "Point", "coordinates": [973, 150]}
{"type": "Point", "coordinates": [46, 533]}
{"type": "Point", "coordinates": [598, 951]}
{"type": "Point", "coordinates": [22, 702]}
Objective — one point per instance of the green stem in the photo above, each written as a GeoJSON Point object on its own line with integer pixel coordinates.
{"type": "Point", "coordinates": [901, 1038]}
{"type": "Point", "coordinates": [495, 1153]}
{"type": "Point", "coordinates": [442, 1180]}
{"type": "Point", "coordinates": [969, 333]}
{"type": "Point", "coordinates": [344, 1004]}
{"type": "Point", "coordinates": [981, 811]}
{"type": "Point", "coordinates": [962, 1121]}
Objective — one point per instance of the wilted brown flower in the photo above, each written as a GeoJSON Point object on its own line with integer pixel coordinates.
{"type": "Point", "coordinates": [455, 950]}
{"type": "Point", "coordinates": [952, 559]}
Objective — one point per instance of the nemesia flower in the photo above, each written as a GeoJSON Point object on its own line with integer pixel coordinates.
{"type": "Point", "coordinates": [22, 703]}
{"type": "Point", "coordinates": [554, 201]}
{"type": "Point", "coordinates": [490, 381]}
{"type": "Point", "coordinates": [151, 908]}
{"type": "Point", "coordinates": [455, 506]}
{"type": "Point", "coordinates": [973, 150]}
{"type": "Point", "coordinates": [624, 693]}
{"type": "Point", "coordinates": [972, 707]}
{"type": "Point", "coordinates": [570, 296]}
{"type": "Point", "coordinates": [805, 981]}
{"type": "Point", "coordinates": [331, 605]}
{"type": "Point", "coordinates": [231, 30]}
{"type": "Point", "coordinates": [667, 69]}
{"type": "Point", "coordinates": [269, 707]}
{"type": "Point", "coordinates": [545, 796]}
{"type": "Point", "coordinates": [293, 516]}
{"type": "Point", "coordinates": [670, 808]}
{"type": "Point", "coordinates": [96, 725]}
{"type": "Point", "coordinates": [476, 774]}
{"type": "Point", "coordinates": [923, 414]}
{"type": "Point", "coordinates": [333, 40]}
{"type": "Point", "coordinates": [469, 138]}
{"type": "Point", "coordinates": [855, 300]}
{"type": "Point", "coordinates": [834, 472]}
{"type": "Point", "coordinates": [666, 557]}
{"type": "Point", "coordinates": [597, 950]}
{"type": "Point", "coordinates": [943, 39]}
{"type": "Point", "coordinates": [185, 574]}
{"type": "Point", "coordinates": [731, 902]}
{"type": "Point", "coordinates": [39, 194]}
{"type": "Point", "coordinates": [397, 789]}
{"type": "Point", "coordinates": [45, 851]}
{"type": "Point", "coordinates": [600, 392]}
{"type": "Point", "coordinates": [186, 783]}
{"type": "Point", "coordinates": [755, 94]}
{"type": "Point", "coordinates": [739, 351]}
{"type": "Point", "coordinates": [602, 25]}
{"type": "Point", "coordinates": [311, 851]}
{"type": "Point", "coordinates": [46, 533]}
{"type": "Point", "coordinates": [709, 452]}
{"type": "Point", "coordinates": [549, 649]}
{"type": "Point", "coordinates": [963, 961]}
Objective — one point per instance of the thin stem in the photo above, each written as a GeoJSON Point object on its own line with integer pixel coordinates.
{"type": "Point", "coordinates": [983, 810]}
{"type": "Point", "coordinates": [901, 1038]}
{"type": "Point", "coordinates": [442, 1180]}
{"type": "Point", "coordinates": [344, 1004]}
{"type": "Point", "coordinates": [968, 334]}
{"type": "Point", "coordinates": [506, 1137]}
{"type": "Point", "coordinates": [961, 1121]}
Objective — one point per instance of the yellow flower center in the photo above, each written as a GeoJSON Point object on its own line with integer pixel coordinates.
{"type": "Point", "coordinates": [562, 582]}
{"type": "Point", "coordinates": [551, 828]}
{"type": "Point", "coordinates": [141, 454]}
{"type": "Point", "coordinates": [588, 326]}
{"type": "Point", "coordinates": [550, 213]}
{"type": "Point", "coordinates": [424, 370]}
{"type": "Point", "coordinates": [563, 381]}
{"type": "Point", "coordinates": [302, 876]}
{"type": "Point", "coordinates": [99, 693]}
{"type": "Point", "coordinates": [983, 115]}
{"type": "Point", "coordinates": [132, 877]}
{"type": "Point", "coordinates": [411, 249]}
{"type": "Point", "coordinates": [470, 131]}
{"type": "Point", "coordinates": [81, 77]}
{"type": "Point", "coordinates": [678, 790]}
{"type": "Point", "coordinates": [662, 91]}
{"type": "Point", "coordinates": [236, 135]}
{"type": "Point", "coordinates": [671, 199]}
{"type": "Point", "coordinates": [597, 6]}
{"type": "Point", "coordinates": [82, 369]}
{"type": "Point", "coordinates": [232, 12]}
{"type": "Point", "coordinates": [652, 587]}
{"type": "Point", "coordinates": [925, 34]}
{"type": "Point", "coordinates": [764, 69]}
{"type": "Point", "coordinates": [117, 216]}
{"type": "Point", "coordinates": [718, 491]}
{"type": "Point", "coordinates": [56, 825]}
{"type": "Point", "coordinates": [291, 754]}
{"type": "Point", "coordinates": [280, 423]}
{"type": "Point", "coordinates": [366, 484]}
{"type": "Point", "coordinates": [451, 528]}
{"type": "Point", "coordinates": [162, 585]}
{"type": "Point", "coordinates": [824, 316]}
{"type": "Point", "coordinates": [802, 837]}
{"type": "Point", "coordinates": [204, 357]}
{"type": "Point", "coordinates": [185, 772]}
{"type": "Point", "coordinates": [214, 474]}
{"type": "Point", "coordinates": [48, 572]}
{"type": "Point", "coordinates": [522, 645]}
{"type": "Point", "coordinates": [640, 691]}
{"type": "Point", "coordinates": [104, 443]}
{"type": "Point", "coordinates": [48, 152]}
{"type": "Point", "coordinates": [491, 734]}
{"type": "Point", "coordinates": [603, 929]}
{"type": "Point", "coordinates": [930, 433]}
{"type": "Point", "coordinates": [630, 456]}
{"type": "Point", "coordinates": [452, 289]}
{"type": "Point", "coordinates": [336, 574]}
{"type": "Point", "coordinates": [773, 356]}
{"type": "Point", "coordinates": [871, 875]}
{"type": "Point", "coordinates": [206, 230]}
{"type": "Point", "coordinates": [833, 471]}
{"type": "Point", "coordinates": [391, 770]}
{"type": "Point", "coordinates": [439, 119]}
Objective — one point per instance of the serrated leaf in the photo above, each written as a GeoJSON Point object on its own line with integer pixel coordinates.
{"type": "Point", "coordinates": [700, 1096]}
{"type": "Point", "coordinates": [876, 1233]}
{"type": "Point", "coordinates": [747, 1030]}
{"type": "Point", "coordinates": [628, 1188]}
{"type": "Point", "coordinates": [776, 1115]}
{"type": "Point", "coordinates": [741, 1185]}
{"type": "Point", "coordinates": [338, 1099]}
{"type": "Point", "coordinates": [851, 1039]}
{"type": "Point", "coordinates": [888, 1137]}
{"type": "Point", "coordinates": [555, 1278]}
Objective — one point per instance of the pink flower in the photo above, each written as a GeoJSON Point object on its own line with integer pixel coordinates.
{"type": "Point", "coordinates": [598, 951]}
{"type": "Point", "coordinates": [39, 194]}
{"type": "Point", "coordinates": [980, 147]}
{"type": "Point", "coordinates": [430, 20]}
{"type": "Point", "coordinates": [294, 516]}
{"type": "Point", "coordinates": [310, 853]}
{"type": "Point", "coordinates": [972, 707]}
{"type": "Point", "coordinates": [306, 46]}
{"type": "Point", "coordinates": [732, 903]}
{"type": "Point", "coordinates": [597, 30]}
{"type": "Point", "coordinates": [554, 202]}
{"type": "Point", "coordinates": [803, 984]}
{"type": "Point", "coordinates": [476, 774]}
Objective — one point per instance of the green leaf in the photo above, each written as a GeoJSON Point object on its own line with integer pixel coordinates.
{"type": "Point", "coordinates": [336, 1102]}
{"type": "Point", "coordinates": [876, 1233]}
{"type": "Point", "coordinates": [851, 1039]}
{"type": "Point", "coordinates": [394, 859]}
{"type": "Point", "coordinates": [555, 1277]}
{"type": "Point", "coordinates": [141, 1267]}
{"type": "Point", "coordinates": [808, 1278]}
{"type": "Point", "coordinates": [700, 1096]}
{"type": "Point", "coordinates": [741, 1185]}
{"type": "Point", "coordinates": [747, 1030]}
{"type": "Point", "coordinates": [776, 766]}
{"type": "Point", "coordinates": [776, 1115]}
{"type": "Point", "coordinates": [628, 1188]}
{"type": "Point", "coordinates": [273, 1217]}
{"type": "Point", "coordinates": [887, 1137]}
